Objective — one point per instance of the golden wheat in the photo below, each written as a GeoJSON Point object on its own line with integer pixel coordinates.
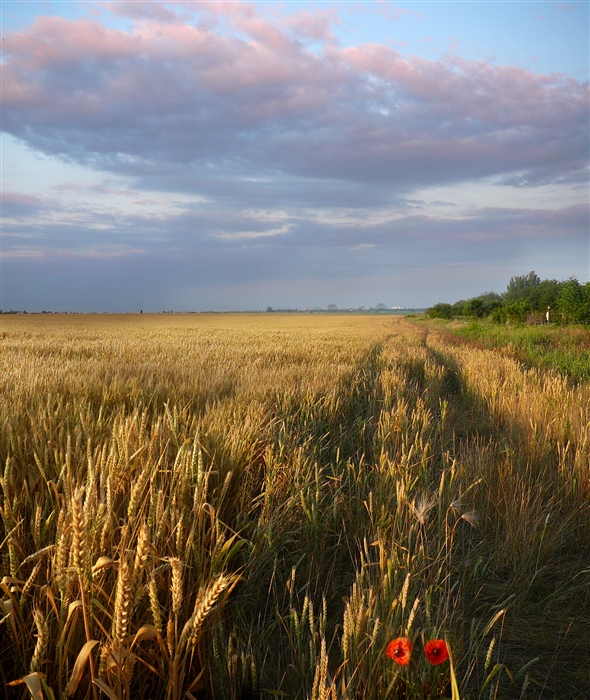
{"type": "Point", "coordinates": [291, 492]}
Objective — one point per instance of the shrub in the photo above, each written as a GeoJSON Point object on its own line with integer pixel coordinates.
{"type": "Point", "coordinates": [574, 301]}
{"type": "Point", "coordinates": [440, 311]}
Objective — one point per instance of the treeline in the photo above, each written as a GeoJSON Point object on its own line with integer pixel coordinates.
{"type": "Point", "coordinates": [527, 299]}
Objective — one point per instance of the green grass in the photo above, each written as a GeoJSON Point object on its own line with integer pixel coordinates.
{"type": "Point", "coordinates": [563, 348]}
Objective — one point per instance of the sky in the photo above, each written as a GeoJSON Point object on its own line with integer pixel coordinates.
{"type": "Point", "coordinates": [191, 156]}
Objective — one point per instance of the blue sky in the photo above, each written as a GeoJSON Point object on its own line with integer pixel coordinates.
{"type": "Point", "coordinates": [225, 155]}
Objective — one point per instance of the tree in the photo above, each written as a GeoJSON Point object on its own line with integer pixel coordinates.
{"type": "Point", "coordinates": [440, 311]}
{"type": "Point", "coordinates": [574, 301]}
{"type": "Point", "coordinates": [526, 296]}
{"type": "Point", "coordinates": [536, 294]}
{"type": "Point", "coordinates": [517, 311]}
{"type": "Point", "coordinates": [475, 307]}
{"type": "Point", "coordinates": [521, 286]}
{"type": "Point", "coordinates": [460, 308]}
{"type": "Point", "coordinates": [546, 294]}
{"type": "Point", "coordinates": [487, 302]}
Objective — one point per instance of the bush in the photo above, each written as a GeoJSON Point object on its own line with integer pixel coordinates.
{"type": "Point", "coordinates": [440, 311]}
{"type": "Point", "coordinates": [499, 315]}
{"type": "Point", "coordinates": [475, 307]}
{"type": "Point", "coordinates": [517, 311]}
{"type": "Point", "coordinates": [526, 296]}
{"type": "Point", "coordinates": [574, 302]}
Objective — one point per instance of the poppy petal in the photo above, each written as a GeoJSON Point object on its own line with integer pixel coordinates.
{"type": "Point", "coordinates": [400, 650]}
{"type": "Point", "coordinates": [436, 651]}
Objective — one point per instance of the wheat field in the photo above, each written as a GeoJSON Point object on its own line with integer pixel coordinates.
{"type": "Point", "coordinates": [254, 506]}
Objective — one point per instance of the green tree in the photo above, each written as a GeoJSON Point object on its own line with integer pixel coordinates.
{"type": "Point", "coordinates": [547, 294]}
{"type": "Point", "coordinates": [521, 287]}
{"type": "Point", "coordinates": [536, 293]}
{"type": "Point", "coordinates": [517, 311]}
{"type": "Point", "coordinates": [489, 302]}
{"type": "Point", "coordinates": [574, 301]}
{"type": "Point", "coordinates": [460, 308]}
{"type": "Point", "coordinates": [440, 311]}
{"type": "Point", "coordinates": [499, 315]}
{"type": "Point", "coordinates": [475, 307]}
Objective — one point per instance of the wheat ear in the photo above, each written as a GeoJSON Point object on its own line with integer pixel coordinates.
{"type": "Point", "coordinates": [176, 585]}
{"type": "Point", "coordinates": [121, 614]}
{"type": "Point", "coordinates": [141, 555]}
{"type": "Point", "coordinates": [42, 640]}
{"type": "Point", "coordinates": [79, 533]}
{"type": "Point", "coordinates": [203, 606]}
{"type": "Point", "coordinates": [155, 604]}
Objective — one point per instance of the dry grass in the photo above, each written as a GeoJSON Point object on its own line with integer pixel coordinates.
{"type": "Point", "coordinates": [222, 506]}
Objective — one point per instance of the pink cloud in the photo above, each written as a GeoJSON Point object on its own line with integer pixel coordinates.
{"type": "Point", "coordinates": [503, 95]}
{"type": "Point", "coordinates": [393, 13]}
{"type": "Point", "coordinates": [314, 26]}
{"type": "Point", "coordinates": [142, 11]}
{"type": "Point", "coordinates": [19, 204]}
{"type": "Point", "coordinates": [247, 88]}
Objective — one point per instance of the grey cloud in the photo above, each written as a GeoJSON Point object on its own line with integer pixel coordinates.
{"type": "Point", "coordinates": [213, 233]}
{"type": "Point", "coordinates": [16, 204]}
{"type": "Point", "coordinates": [178, 258]}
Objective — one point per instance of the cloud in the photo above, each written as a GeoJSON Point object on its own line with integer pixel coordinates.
{"type": "Point", "coordinates": [17, 204]}
{"type": "Point", "coordinates": [215, 238]}
{"type": "Point", "coordinates": [177, 263]}
{"type": "Point", "coordinates": [247, 95]}
{"type": "Point", "coordinates": [249, 235]}
{"type": "Point", "coordinates": [29, 252]}
{"type": "Point", "coordinates": [236, 146]}
{"type": "Point", "coordinates": [142, 11]}
{"type": "Point", "coordinates": [314, 26]}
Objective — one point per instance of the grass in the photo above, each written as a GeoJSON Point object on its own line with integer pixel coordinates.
{"type": "Point", "coordinates": [563, 348]}
{"type": "Point", "coordinates": [239, 507]}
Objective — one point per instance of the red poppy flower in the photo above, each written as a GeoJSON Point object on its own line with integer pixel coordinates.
{"type": "Point", "coordinates": [436, 651]}
{"type": "Point", "coordinates": [400, 650]}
